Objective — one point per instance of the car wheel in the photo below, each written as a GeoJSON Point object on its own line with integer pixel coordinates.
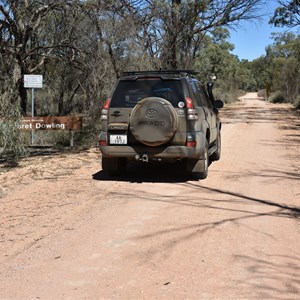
{"type": "Point", "coordinates": [114, 165]}
{"type": "Point", "coordinates": [153, 121]}
{"type": "Point", "coordinates": [198, 168]}
{"type": "Point", "coordinates": [217, 154]}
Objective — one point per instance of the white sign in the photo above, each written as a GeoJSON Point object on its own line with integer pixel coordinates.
{"type": "Point", "coordinates": [33, 81]}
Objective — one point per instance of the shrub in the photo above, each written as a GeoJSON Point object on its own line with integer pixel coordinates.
{"type": "Point", "coordinates": [228, 97]}
{"type": "Point", "coordinates": [12, 140]}
{"type": "Point", "coordinates": [262, 93]}
{"type": "Point", "coordinates": [277, 97]}
{"type": "Point", "coordinates": [297, 102]}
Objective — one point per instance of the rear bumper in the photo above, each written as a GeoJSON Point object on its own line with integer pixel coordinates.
{"type": "Point", "coordinates": [164, 152]}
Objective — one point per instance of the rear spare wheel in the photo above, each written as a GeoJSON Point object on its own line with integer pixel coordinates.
{"type": "Point", "coordinates": [153, 121]}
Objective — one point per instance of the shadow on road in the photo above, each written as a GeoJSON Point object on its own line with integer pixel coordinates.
{"type": "Point", "coordinates": [267, 278]}
{"type": "Point", "coordinates": [268, 174]}
{"type": "Point", "coordinates": [283, 210]}
{"type": "Point", "coordinates": [143, 172]}
{"type": "Point", "coordinates": [260, 114]}
{"type": "Point", "coordinates": [271, 276]}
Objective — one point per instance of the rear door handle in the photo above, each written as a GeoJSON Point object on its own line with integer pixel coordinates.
{"type": "Point", "coordinates": [116, 113]}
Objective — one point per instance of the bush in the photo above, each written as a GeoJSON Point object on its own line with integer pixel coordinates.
{"type": "Point", "coordinates": [262, 93]}
{"type": "Point", "coordinates": [12, 139]}
{"type": "Point", "coordinates": [227, 97]}
{"type": "Point", "coordinates": [277, 97]}
{"type": "Point", "coordinates": [297, 103]}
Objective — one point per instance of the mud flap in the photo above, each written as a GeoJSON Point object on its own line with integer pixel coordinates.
{"type": "Point", "coordinates": [114, 165]}
{"type": "Point", "coordinates": [198, 168]}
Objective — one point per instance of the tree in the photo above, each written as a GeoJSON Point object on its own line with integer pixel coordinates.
{"type": "Point", "coordinates": [11, 139]}
{"type": "Point", "coordinates": [215, 58]}
{"type": "Point", "coordinates": [177, 27]}
{"type": "Point", "coordinates": [287, 14]}
{"type": "Point", "coordinates": [21, 23]}
{"type": "Point", "coordinates": [81, 47]}
{"type": "Point", "coordinates": [282, 63]}
{"type": "Point", "coordinates": [260, 70]}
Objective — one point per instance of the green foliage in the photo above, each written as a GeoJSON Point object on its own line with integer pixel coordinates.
{"type": "Point", "coordinates": [297, 103]}
{"type": "Point", "coordinates": [232, 74]}
{"type": "Point", "coordinates": [287, 14]}
{"type": "Point", "coordinates": [262, 93]}
{"type": "Point", "coordinates": [12, 140]}
{"type": "Point", "coordinates": [279, 69]}
{"type": "Point", "coordinates": [277, 97]}
{"type": "Point", "coordinates": [82, 47]}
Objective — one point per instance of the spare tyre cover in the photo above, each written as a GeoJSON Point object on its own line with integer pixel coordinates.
{"type": "Point", "coordinates": [153, 121]}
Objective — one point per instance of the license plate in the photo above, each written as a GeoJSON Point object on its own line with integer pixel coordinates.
{"type": "Point", "coordinates": [118, 139]}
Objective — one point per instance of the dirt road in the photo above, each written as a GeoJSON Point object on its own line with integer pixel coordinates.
{"type": "Point", "coordinates": [68, 231]}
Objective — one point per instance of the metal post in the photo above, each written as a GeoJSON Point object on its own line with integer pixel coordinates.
{"type": "Point", "coordinates": [32, 114]}
{"type": "Point", "coordinates": [71, 138]}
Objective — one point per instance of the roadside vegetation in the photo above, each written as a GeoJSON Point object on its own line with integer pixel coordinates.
{"type": "Point", "coordinates": [81, 47]}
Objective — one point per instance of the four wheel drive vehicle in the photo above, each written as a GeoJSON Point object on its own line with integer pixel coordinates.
{"type": "Point", "coordinates": [160, 116]}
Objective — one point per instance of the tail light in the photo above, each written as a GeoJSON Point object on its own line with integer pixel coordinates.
{"type": "Point", "coordinates": [107, 103]}
{"type": "Point", "coordinates": [189, 103]}
{"type": "Point", "coordinates": [191, 144]}
{"type": "Point", "coordinates": [105, 109]}
{"type": "Point", "coordinates": [191, 111]}
{"type": "Point", "coordinates": [191, 140]}
{"type": "Point", "coordinates": [102, 143]}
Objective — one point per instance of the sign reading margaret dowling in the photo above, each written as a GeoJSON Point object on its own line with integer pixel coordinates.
{"type": "Point", "coordinates": [51, 123]}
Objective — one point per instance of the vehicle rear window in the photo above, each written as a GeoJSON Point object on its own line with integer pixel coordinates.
{"type": "Point", "coordinates": [128, 93]}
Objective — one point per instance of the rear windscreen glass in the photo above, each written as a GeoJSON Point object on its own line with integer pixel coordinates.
{"type": "Point", "coordinates": [128, 93]}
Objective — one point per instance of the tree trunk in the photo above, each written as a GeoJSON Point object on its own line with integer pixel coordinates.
{"type": "Point", "coordinates": [17, 78]}
{"type": "Point", "coordinates": [23, 97]}
{"type": "Point", "coordinates": [171, 49]}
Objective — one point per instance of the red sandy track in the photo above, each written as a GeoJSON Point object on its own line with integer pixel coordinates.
{"type": "Point", "coordinates": [68, 231]}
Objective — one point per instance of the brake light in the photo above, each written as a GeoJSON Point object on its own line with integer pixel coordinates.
{"type": "Point", "coordinates": [104, 111]}
{"type": "Point", "coordinates": [189, 103]}
{"type": "Point", "coordinates": [107, 103]}
{"type": "Point", "coordinates": [102, 143]}
{"type": "Point", "coordinates": [191, 144]}
{"type": "Point", "coordinates": [149, 78]}
{"type": "Point", "coordinates": [191, 111]}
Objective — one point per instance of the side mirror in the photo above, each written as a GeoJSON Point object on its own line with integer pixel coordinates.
{"type": "Point", "coordinates": [219, 104]}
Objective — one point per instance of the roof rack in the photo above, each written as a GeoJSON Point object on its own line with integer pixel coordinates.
{"type": "Point", "coordinates": [161, 72]}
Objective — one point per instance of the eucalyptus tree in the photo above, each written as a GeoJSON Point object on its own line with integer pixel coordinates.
{"type": "Point", "coordinates": [176, 28]}
{"type": "Point", "coordinates": [284, 64]}
{"type": "Point", "coordinates": [22, 49]}
{"type": "Point", "coordinates": [215, 58]}
{"type": "Point", "coordinates": [287, 14]}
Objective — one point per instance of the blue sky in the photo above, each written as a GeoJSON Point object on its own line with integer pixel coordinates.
{"type": "Point", "coordinates": [251, 38]}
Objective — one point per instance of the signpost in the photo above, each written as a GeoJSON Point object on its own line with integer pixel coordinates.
{"type": "Point", "coordinates": [51, 123]}
{"type": "Point", "coordinates": [33, 123]}
{"type": "Point", "coordinates": [33, 82]}
{"type": "Point", "coordinates": [70, 123]}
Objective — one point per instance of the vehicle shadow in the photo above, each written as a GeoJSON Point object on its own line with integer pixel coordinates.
{"type": "Point", "coordinates": [143, 172]}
